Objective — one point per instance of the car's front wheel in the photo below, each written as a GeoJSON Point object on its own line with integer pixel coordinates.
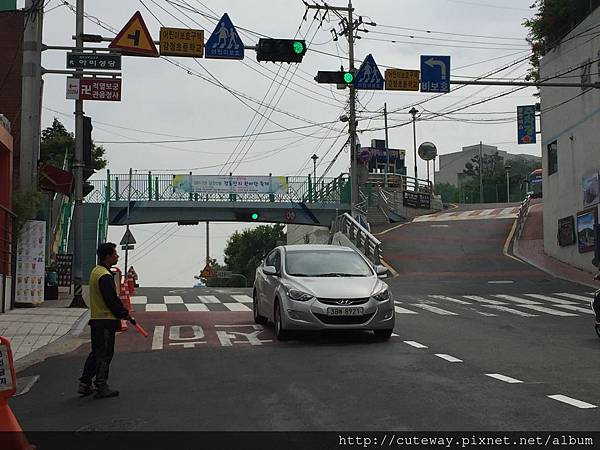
{"type": "Point", "coordinates": [280, 333]}
{"type": "Point", "coordinates": [383, 335]}
{"type": "Point", "coordinates": [257, 317]}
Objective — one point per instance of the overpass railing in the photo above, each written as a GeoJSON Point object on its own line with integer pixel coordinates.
{"type": "Point", "coordinates": [159, 187]}
{"type": "Point", "coordinates": [360, 237]}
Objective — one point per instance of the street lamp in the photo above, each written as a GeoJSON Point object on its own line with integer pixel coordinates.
{"type": "Point", "coordinates": [413, 112]}
{"type": "Point", "coordinates": [314, 158]}
{"type": "Point", "coordinates": [507, 168]}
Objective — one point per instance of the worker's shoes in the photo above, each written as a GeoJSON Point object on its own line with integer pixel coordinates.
{"type": "Point", "coordinates": [106, 392]}
{"type": "Point", "coordinates": [85, 389]}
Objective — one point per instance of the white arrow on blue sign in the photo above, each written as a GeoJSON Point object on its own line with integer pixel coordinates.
{"type": "Point", "coordinates": [224, 42]}
{"type": "Point", "coordinates": [368, 76]}
{"type": "Point", "coordinates": [435, 73]}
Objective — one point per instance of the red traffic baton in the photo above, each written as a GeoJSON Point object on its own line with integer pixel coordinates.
{"type": "Point", "coordinates": [138, 327]}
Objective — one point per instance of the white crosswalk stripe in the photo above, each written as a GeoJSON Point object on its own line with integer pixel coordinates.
{"type": "Point", "coordinates": [450, 299]}
{"type": "Point", "coordinates": [139, 300]}
{"type": "Point", "coordinates": [208, 299]}
{"type": "Point", "coordinates": [172, 299]}
{"type": "Point", "coordinates": [196, 307]}
{"type": "Point", "coordinates": [156, 307]}
{"type": "Point", "coordinates": [511, 311]}
{"type": "Point", "coordinates": [576, 308]}
{"type": "Point", "coordinates": [551, 299]}
{"type": "Point", "coordinates": [476, 298]}
{"type": "Point", "coordinates": [581, 298]}
{"type": "Point", "coordinates": [400, 310]}
{"type": "Point", "coordinates": [236, 307]}
{"type": "Point", "coordinates": [243, 298]}
{"type": "Point", "coordinates": [518, 300]}
{"type": "Point", "coordinates": [434, 309]}
{"type": "Point", "coordinates": [553, 312]}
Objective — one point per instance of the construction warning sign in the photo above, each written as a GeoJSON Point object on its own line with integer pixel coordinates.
{"type": "Point", "coordinates": [181, 42]}
{"type": "Point", "coordinates": [135, 39]}
{"type": "Point", "coordinates": [208, 272]}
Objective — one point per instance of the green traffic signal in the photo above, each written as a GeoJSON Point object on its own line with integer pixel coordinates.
{"type": "Point", "coordinates": [254, 216]}
{"type": "Point", "coordinates": [298, 47]}
{"type": "Point", "coordinates": [348, 77]}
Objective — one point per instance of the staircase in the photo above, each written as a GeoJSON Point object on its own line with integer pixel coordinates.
{"type": "Point", "coordinates": [376, 216]}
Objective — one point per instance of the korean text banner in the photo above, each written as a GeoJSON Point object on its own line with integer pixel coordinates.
{"type": "Point", "coordinates": [224, 184]}
{"type": "Point", "coordinates": [526, 124]}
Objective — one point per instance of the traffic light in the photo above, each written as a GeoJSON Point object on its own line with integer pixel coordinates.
{"type": "Point", "coordinates": [247, 216]}
{"type": "Point", "coordinates": [335, 77]}
{"type": "Point", "coordinates": [87, 187]}
{"type": "Point", "coordinates": [280, 50]}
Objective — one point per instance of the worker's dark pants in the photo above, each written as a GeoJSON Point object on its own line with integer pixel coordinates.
{"type": "Point", "coordinates": [596, 305]}
{"type": "Point", "coordinates": [103, 347]}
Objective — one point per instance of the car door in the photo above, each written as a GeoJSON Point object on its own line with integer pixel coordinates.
{"type": "Point", "coordinates": [261, 281]}
{"type": "Point", "coordinates": [272, 281]}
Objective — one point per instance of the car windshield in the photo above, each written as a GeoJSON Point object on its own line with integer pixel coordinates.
{"type": "Point", "coordinates": [326, 263]}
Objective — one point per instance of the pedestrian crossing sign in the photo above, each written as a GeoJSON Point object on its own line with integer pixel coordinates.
{"type": "Point", "coordinates": [224, 42]}
{"type": "Point", "coordinates": [369, 76]}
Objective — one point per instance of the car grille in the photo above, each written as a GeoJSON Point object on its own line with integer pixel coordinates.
{"type": "Point", "coordinates": [343, 320]}
{"type": "Point", "coordinates": [351, 301]}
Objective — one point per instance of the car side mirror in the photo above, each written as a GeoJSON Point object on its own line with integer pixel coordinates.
{"type": "Point", "coordinates": [381, 271]}
{"type": "Point", "coordinates": [270, 270]}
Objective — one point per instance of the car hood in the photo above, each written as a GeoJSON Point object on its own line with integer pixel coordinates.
{"type": "Point", "coordinates": [337, 287]}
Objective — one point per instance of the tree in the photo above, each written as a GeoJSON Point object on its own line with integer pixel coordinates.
{"type": "Point", "coordinates": [245, 250]}
{"type": "Point", "coordinates": [448, 191]}
{"type": "Point", "coordinates": [494, 177]}
{"type": "Point", "coordinates": [554, 20]}
{"type": "Point", "coordinates": [57, 143]}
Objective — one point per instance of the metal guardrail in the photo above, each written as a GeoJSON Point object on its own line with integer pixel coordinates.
{"type": "Point", "coordinates": [522, 216]}
{"type": "Point", "coordinates": [159, 187]}
{"type": "Point", "coordinates": [400, 181]}
{"type": "Point", "coordinates": [368, 244]}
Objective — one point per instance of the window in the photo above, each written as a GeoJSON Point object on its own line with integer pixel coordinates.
{"type": "Point", "coordinates": [277, 261]}
{"type": "Point", "coordinates": [552, 158]}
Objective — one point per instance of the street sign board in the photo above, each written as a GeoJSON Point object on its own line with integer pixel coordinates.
{"type": "Point", "coordinates": [364, 155]}
{"type": "Point", "coordinates": [435, 73]}
{"type": "Point", "coordinates": [224, 42]}
{"type": "Point", "coordinates": [181, 42]}
{"type": "Point", "coordinates": [127, 238]}
{"type": "Point", "coordinates": [127, 247]}
{"type": "Point", "coordinates": [208, 272]}
{"type": "Point", "coordinates": [224, 274]}
{"type": "Point", "coordinates": [134, 39]}
{"type": "Point", "coordinates": [106, 89]}
{"type": "Point", "coordinates": [368, 75]}
{"type": "Point", "coordinates": [101, 61]}
{"type": "Point", "coordinates": [402, 80]}
{"type": "Point", "coordinates": [526, 127]}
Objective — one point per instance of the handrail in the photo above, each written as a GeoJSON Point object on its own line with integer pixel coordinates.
{"type": "Point", "coordinates": [522, 216]}
{"type": "Point", "coordinates": [359, 236]}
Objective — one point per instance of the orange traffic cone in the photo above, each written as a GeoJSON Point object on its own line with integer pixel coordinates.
{"type": "Point", "coordinates": [11, 434]}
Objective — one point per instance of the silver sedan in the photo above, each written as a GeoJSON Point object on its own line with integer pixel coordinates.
{"type": "Point", "coordinates": [317, 287]}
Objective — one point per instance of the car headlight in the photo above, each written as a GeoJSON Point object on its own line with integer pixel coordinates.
{"type": "Point", "coordinates": [382, 295]}
{"type": "Point", "coordinates": [297, 295]}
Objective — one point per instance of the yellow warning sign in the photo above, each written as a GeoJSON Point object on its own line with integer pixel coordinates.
{"type": "Point", "coordinates": [181, 42]}
{"type": "Point", "coordinates": [402, 80]}
{"type": "Point", "coordinates": [208, 272]}
{"type": "Point", "coordinates": [134, 39]}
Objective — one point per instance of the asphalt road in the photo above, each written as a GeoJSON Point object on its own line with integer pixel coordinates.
{"type": "Point", "coordinates": [466, 355]}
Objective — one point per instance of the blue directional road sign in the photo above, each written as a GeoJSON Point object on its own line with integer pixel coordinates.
{"type": "Point", "coordinates": [435, 73]}
{"type": "Point", "coordinates": [368, 76]}
{"type": "Point", "coordinates": [224, 42]}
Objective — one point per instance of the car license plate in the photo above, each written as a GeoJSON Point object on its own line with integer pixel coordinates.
{"type": "Point", "coordinates": [345, 311]}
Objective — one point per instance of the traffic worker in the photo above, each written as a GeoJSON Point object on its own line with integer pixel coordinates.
{"type": "Point", "coordinates": [106, 312]}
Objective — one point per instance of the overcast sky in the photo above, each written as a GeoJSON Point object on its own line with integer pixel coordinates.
{"type": "Point", "coordinates": [161, 101]}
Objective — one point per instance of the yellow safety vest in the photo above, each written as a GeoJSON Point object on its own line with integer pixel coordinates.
{"type": "Point", "coordinates": [98, 307]}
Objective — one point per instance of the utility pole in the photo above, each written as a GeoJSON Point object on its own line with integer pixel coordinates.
{"type": "Point", "coordinates": [128, 210]}
{"type": "Point", "coordinates": [78, 301]}
{"type": "Point", "coordinates": [207, 243]}
{"type": "Point", "coordinates": [349, 26]}
{"type": "Point", "coordinates": [480, 172]}
{"type": "Point", "coordinates": [413, 112]}
{"type": "Point", "coordinates": [30, 94]}
{"type": "Point", "coordinates": [387, 144]}
{"type": "Point", "coordinates": [507, 168]}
